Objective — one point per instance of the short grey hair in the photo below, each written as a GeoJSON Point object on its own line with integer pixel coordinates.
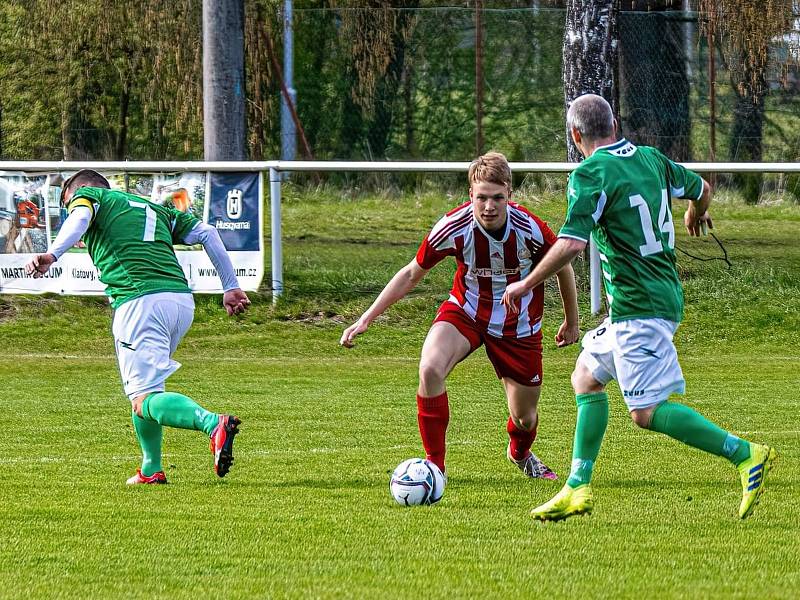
{"type": "Point", "coordinates": [591, 115]}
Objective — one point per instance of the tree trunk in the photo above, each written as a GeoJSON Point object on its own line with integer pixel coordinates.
{"type": "Point", "coordinates": [750, 85]}
{"type": "Point", "coordinates": [409, 110]}
{"type": "Point", "coordinates": [224, 136]}
{"type": "Point", "coordinates": [386, 91]}
{"type": "Point", "coordinates": [590, 55]}
{"type": "Point", "coordinates": [122, 136]}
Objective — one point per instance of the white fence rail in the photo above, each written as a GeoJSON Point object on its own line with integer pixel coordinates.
{"type": "Point", "coordinates": [276, 167]}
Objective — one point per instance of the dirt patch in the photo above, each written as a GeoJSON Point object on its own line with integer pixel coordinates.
{"type": "Point", "coordinates": [7, 311]}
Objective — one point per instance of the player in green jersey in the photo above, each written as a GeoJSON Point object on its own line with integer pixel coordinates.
{"type": "Point", "coordinates": [621, 195]}
{"type": "Point", "coordinates": [130, 241]}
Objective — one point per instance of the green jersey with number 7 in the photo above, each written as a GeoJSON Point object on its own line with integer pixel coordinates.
{"type": "Point", "coordinates": [620, 196]}
{"type": "Point", "coordinates": [130, 240]}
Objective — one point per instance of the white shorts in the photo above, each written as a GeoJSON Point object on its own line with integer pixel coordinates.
{"type": "Point", "coordinates": [147, 330]}
{"type": "Point", "coordinates": [640, 355]}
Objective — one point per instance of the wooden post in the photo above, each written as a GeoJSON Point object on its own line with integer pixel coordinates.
{"type": "Point", "coordinates": [223, 80]}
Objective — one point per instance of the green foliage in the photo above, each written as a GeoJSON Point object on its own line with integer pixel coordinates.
{"type": "Point", "coordinates": [100, 80]}
{"type": "Point", "coordinates": [95, 80]}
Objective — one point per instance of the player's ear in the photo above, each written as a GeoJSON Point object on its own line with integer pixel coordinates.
{"type": "Point", "coordinates": [576, 135]}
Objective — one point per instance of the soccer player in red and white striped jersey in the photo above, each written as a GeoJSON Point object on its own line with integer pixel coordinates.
{"type": "Point", "coordinates": [495, 242]}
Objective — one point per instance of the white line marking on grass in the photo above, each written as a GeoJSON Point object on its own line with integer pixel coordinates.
{"type": "Point", "coordinates": [168, 457]}
{"type": "Point", "coordinates": [221, 359]}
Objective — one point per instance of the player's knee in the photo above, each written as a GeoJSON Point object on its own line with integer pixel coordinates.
{"type": "Point", "coordinates": [525, 422]}
{"type": "Point", "coordinates": [642, 417]}
{"type": "Point", "coordinates": [583, 382]}
{"type": "Point", "coordinates": [136, 404]}
{"type": "Point", "coordinates": [431, 374]}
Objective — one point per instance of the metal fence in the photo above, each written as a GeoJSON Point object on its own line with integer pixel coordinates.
{"type": "Point", "coordinates": [276, 168]}
{"type": "Point", "coordinates": [419, 101]}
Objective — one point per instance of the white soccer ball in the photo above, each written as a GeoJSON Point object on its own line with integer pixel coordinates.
{"type": "Point", "coordinates": [417, 481]}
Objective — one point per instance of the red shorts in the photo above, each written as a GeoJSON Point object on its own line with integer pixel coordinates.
{"type": "Point", "coordinates": [517, 358]}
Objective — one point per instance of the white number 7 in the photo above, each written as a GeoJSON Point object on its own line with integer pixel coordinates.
{"type": "Point", "coordinates": [651, 244]}
{"type": "Point", "coordinates": [149, 220]}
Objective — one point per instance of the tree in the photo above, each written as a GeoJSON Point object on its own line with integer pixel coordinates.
{"type": "Point", "coordinates": [745, 28]}
{"type": "Point", "coordinates": [654, 86]}
{"type": "Point", "coordinates": [103, 80]}
{"type": "Point", "coordinates": [379, 32]}
{"type": "Point", "coordinates": [590, 53]}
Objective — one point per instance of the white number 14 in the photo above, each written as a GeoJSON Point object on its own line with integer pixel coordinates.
{"type": "Point", "coordinates": [652, 245]}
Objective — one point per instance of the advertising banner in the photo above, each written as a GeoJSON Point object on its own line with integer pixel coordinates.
{"type": "Point", "coordinates": [31, 216]}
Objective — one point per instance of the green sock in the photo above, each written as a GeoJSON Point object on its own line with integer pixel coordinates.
{"type": "Point", "coordinates": [686, 425]}
{"type": "Point", "coordinates": [149, 435]}
{"type": "Point", "coordinates": [176, 410]}
{"type": "Point", "coordinates": [589, 431]}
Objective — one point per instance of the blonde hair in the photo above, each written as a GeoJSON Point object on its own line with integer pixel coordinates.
{"type": "Point", "coordinates": [492, 167]}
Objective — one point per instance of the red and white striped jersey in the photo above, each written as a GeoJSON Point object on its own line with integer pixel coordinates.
{"type": "Point", "coordinates": [486, 266]}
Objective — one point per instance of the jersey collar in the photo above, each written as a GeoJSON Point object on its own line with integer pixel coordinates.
{"type": "Point", "coordinates": [488, 235]}
{"type": "Point", "coordinates": [622, 147]}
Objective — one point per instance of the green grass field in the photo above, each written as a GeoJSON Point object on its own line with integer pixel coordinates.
{"type": "Point", "coordinates": [306, 512]}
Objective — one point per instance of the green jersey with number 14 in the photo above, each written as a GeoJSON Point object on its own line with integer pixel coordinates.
{"type": "Point", "coordinates": [619, 196]}
{"type": "Point", "coordinates": [130, 241]}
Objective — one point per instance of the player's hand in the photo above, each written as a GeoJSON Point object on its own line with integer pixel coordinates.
{"type": "Point", "coordinates": [514, 292]}
{"type": "Point", "coordinates": [697, 225]}
{"type": "Point", "coordinates": [39, 265]}
{"type": "Point", "coordinates": [567, 334]}
{"type": "Point", "coordinates": [235, 301]}
{"type": "Point", "coordinates": [349, 335]}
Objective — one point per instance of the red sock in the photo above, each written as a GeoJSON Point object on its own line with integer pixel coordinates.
{"type": "Point", "coordinates": [521, 440]}
{"type": "Point", "coordinates": [433, 415]}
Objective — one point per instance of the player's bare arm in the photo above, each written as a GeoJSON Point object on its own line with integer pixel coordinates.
{"type": "Point", "coordinates": [569, 332]}
{"type": "Point", "coordinates": [403, 282]}
{"type": "Point", "coordinates": [696, 217]}
{"type": "Point", "coordinates": [561, 254]}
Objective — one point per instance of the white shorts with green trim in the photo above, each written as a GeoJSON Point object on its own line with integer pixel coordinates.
{"type": "Point", "coordinates": [147, 330]}
{"type": "Point", "coordinates": [640, 355]}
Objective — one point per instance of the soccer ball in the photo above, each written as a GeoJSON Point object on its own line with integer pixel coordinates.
{"type": "Point", "coordinates": [417, 481]}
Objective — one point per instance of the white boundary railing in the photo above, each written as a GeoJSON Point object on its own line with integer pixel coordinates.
{"type": "Point", "coordinates": [276, 167]}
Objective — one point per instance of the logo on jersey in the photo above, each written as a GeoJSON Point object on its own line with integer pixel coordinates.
{"type": "Point", "coordinates": [494, 272]}
{"type": "Point", "coordinates": [626, 149]}
{"type": "Point", "coordinates": [496, 255]}
{"type": "Point", "coordinates": [234, 204]}
{"type": "Point", "coordinates": [524, 253]}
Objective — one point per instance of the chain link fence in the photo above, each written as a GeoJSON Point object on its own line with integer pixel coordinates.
{"type": "Point", "coordinates": [401, 83]}
{"type": "Point", "coordinates": [418, 98]}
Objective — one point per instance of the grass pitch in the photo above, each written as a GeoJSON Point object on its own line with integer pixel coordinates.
{"type": "Point", "coordinates": [306, 511]}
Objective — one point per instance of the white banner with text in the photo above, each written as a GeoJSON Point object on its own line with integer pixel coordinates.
{"type": "Point", "coordinates": [31, 216]}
